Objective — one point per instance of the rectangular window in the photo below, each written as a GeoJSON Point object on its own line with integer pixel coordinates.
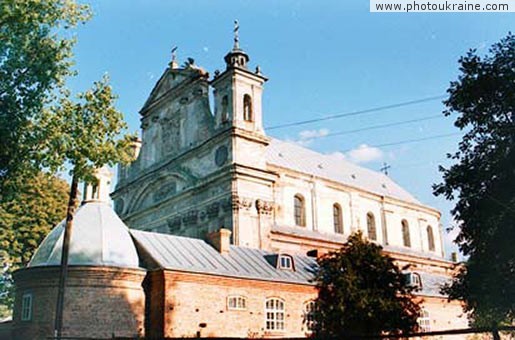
{"type": "Point", "coordinates": [26, 307]}
{"type": "Point", "coordinates": [285, 262]}
{"type": "Point", "coordinates": [236, 303]}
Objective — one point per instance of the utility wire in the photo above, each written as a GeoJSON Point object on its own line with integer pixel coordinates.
{"type": "Point", "coordinates": [355, 113]}
{"type": "Point", "coordinates": [409, 141]}
{"type": "Point", "coordinates": [373, 127]}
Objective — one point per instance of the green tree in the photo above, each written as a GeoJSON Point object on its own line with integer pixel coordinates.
{"type": "Point", "coordinates": [25, 219]}
{"type": "Point", "coordinates": [362, 291]}
{"type": "Point", "coordinates": [482, 183]}
{"type": "Point", "coordinates": [82, 135]}
{"type": "Point", "coordinates": [35, 57]}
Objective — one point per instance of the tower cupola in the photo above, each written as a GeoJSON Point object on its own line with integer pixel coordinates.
{"type": "Point", "coordinates": [236, 57]}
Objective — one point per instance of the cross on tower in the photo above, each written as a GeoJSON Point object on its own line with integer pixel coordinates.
{"type": "Point", "coordinates": [385, 168]}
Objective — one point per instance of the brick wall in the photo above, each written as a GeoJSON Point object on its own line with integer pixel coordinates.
{"type": "Point", "coordinates": [195, 300]}
{"type": "Point", "coordinates": [99, 302]}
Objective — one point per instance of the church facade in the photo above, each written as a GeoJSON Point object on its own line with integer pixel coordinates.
{"type": "Point", "coordinates": [225, 224]}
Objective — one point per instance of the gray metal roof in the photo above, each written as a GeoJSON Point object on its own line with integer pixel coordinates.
{"type": "Point", "coordinates": [195, 255]}
{"type": "Point", "coordinates": [99, 237]}
{"type": "Point", "coordinates": [297, 158]}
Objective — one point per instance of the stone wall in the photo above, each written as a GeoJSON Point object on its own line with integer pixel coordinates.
{"type": "Point", "coordinates": [99, 302]}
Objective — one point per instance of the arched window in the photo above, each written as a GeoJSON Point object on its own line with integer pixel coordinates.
{"type": "Point", "coordinates": [299, 210]}
{"type": "Point", "coordinates": [225, 111]}
{"type": "Point", "coordinates": [430, 238]}
{"type": "Point", "coordinates": [309, 315]}
{"type": "Point", "coordinates": [405, 234]}
{"type": "Point", "coordinates": [247, 108]}
{"type": "Point", "coordinates": [337, 218]}
{"type": "Point", "coordinates": [274, 314]}
{"type": "Point", "coordinates": [371, 227]}
{"type": "Point", "coordinates": [424, 322]}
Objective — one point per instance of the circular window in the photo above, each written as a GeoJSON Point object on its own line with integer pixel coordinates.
{"type": "Point", "coordinates": [221, 155]}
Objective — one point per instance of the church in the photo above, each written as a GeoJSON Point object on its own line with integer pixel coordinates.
{"type": "Point", "coordinates": [216, 226]}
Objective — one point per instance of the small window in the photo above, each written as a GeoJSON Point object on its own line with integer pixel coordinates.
{"type": "Point", "coordinates": [309, 315]}
{"type": "Point", "coordinates": [414, 280]}
{"type": "Point", "coordinates": [225, 112]}
{"type": "Point", "coordinates": [299, 210]}
{"type": "Point", "coordinates": [247, 108]}
{"type": "Point", "coordinates": [424, 322]}
{"type": "Point", "coordinates": [285, 262]}
{"type": "Point", "coordinates": [430, 238]}
{"type": "Point", "coordinates": [371, 227]}
{"type": "Point", "coordinates": [405, 234]}
{"type": "Point", "coordinates": [236, 303]}
{"type": "Point", "coordinates": [274, 315]}
{"type": "Point", "coordinates": [26, 307]}
{"type": "Point", "coordinates": [337, 218]}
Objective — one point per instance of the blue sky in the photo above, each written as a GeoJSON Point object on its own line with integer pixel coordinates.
{"type": "Point", "coordinates": [321, 58]}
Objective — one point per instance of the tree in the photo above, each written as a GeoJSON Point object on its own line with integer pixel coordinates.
{"type": "Point", "coordinates": [25, 220]}
{"type": "Point", "coordinates": [362, 291]}
{"type": "Point", "coordinates": [482, 182]}
{"type": "Point", "coordinates": [35, 57]}
{"type": "Point", "coordinates": [82, 135]}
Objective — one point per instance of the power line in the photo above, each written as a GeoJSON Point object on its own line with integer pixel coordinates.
{"type": "Point", "coordinates": [409, 141]}
{"type": "Point", "coordinates": [355, 113]}
{"type": "Point", "coordinates": [373, 127]}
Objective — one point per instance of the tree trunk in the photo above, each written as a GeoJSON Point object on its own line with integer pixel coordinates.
{"type": "Point", "coordinates": [72, 203]}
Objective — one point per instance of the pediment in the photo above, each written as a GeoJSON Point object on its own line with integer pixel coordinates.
{"type": "Point", "coordinates": [168, 81]}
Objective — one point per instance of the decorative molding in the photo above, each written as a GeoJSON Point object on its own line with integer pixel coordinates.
{"type": "Point", "coordinates": [241, 202]}
{"type": "Point", "coordinates": [264, 207]}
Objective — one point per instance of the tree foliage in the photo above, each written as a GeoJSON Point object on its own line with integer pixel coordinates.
{"type": "Point", "coordinates": [482, 182]}
{"type": "Point", "coordinates": [25, 219]}
{"type": "Point", "coordinates": [362, 291]}
{"type": "Point", "coordinates": [84, 134]}
{"type": "Point", "coordinates": [35, 57]}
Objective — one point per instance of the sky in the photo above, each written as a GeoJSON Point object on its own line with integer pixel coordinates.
{"type": "Point", "coordinates": [321, 57]}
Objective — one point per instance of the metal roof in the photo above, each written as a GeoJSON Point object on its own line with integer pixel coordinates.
{"type": "Point", "coordinates": [99, 237]}
{"type": "Point", "coordinates": [195, 255]}
{"type": "Point", "coordinates": [295, 157]}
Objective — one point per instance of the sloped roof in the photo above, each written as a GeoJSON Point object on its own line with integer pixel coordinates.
{"type": "Point", "coordinates": [295, 157]}
{"type": "Point", "coordinates": [99, 237]}
{"type": "Point", "coordinates": [195, 255]}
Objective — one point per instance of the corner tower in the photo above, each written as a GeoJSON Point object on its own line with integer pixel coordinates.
{"type": "Point", "coordinates": [238, 92]}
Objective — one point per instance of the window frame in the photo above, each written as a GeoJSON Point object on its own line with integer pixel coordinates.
{"type": "Point", "coordinates": [406, 235]}
{"type": "Point", "coordinates": [337, 219]}
{"type": "Point", "coordinates": [248, 114]}
{"type": "Point", "coordinates": [26, 307]}
{"type": "Point", "coordinates": [275, 317]}
{"type": "Point", "coordinates": [309, 315]}
{"type": "Point", "coordinates": [430, 238]}
{"type": "Point", "coordinates": [424, 321]}
{"type": "Point", "coordinates": [237, 299]}
{"type": "Point", "coordinates": [287, 258]}
{"type": "Point", "coordinates": [371, 226]}
{"type": "Point", "coordinates": [299, 210]}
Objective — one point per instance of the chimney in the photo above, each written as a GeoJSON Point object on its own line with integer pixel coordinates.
{"type": "Point", "coordinates": [454, 256]}
{"type": "Point", "coordinates": [220, 240]}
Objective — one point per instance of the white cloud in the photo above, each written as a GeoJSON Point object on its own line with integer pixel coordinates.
{"type": "Point", "coordinates": [364, 154]}
{"type": "Point", "coordinates": [305, 137]}
{"type": "Point", "coordinates": [337, 155]}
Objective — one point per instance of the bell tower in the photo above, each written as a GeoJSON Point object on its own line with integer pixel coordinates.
{"type": "Point", "coordinates": [238, 92]}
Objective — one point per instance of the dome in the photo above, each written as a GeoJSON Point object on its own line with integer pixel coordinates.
{"type": "Point", "coordinates": [99, 238]}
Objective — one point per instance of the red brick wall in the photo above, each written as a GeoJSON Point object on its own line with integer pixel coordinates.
{"type": "Point", "coordinates": [193, 299]}
{"type": "Point", "coordinates": [99, 301]}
